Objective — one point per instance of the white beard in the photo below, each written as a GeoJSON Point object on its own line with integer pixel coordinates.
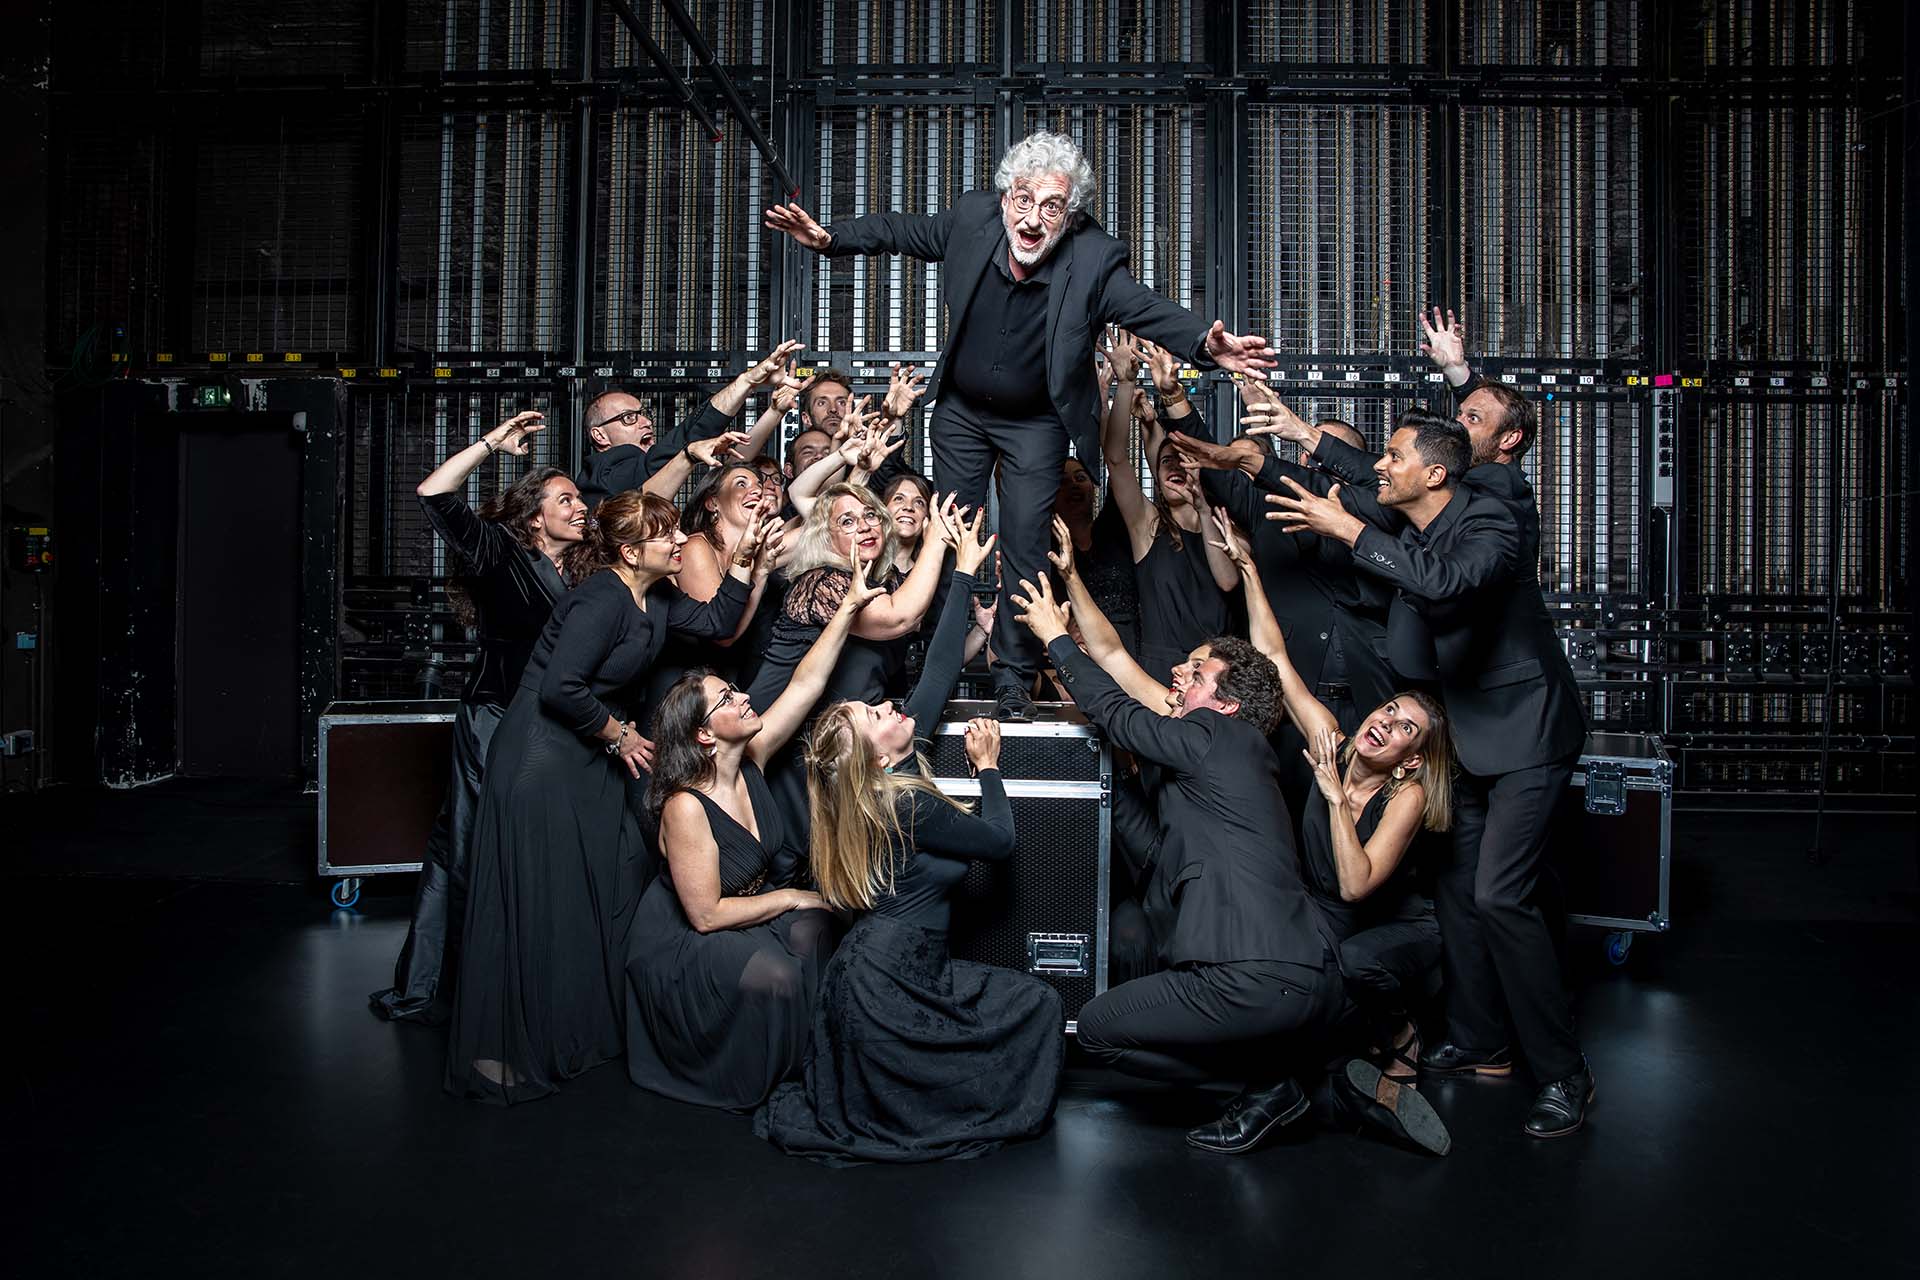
{"type": "Point", "coordinates": [1039, 255]}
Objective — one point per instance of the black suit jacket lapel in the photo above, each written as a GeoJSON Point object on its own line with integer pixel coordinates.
{"type": "Point", "coordinates": [966, 270]}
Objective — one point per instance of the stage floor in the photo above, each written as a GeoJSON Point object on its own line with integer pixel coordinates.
{"type": "Point", "coordinates": [196, 1087]}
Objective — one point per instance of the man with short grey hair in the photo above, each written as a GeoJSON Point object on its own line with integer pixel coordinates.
{"type": "Point", "coordinates": [1030, 282]}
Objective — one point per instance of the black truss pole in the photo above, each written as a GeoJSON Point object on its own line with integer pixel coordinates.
{"type": "Point", "coordinates": [703, 52]}
{"type": "Point", "coordinates": [623, 11]}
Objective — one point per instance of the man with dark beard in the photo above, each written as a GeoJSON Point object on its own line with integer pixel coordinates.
{"type": "Point", "coordinates": [1029, 280]}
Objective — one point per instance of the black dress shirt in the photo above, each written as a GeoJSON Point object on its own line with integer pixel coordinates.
{"type": "Point", "coordinates": [999, 359]}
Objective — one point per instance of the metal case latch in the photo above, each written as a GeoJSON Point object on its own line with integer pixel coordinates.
{"type": "Point", "coordinates": [1606, 787]}
{"type": "Point", "coordinates": [1059, 955]}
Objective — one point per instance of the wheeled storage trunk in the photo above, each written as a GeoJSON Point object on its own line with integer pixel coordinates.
{"type": "Point", "coordinates": [384, 768]}
{"type": "Point", "coordinates": [1043, 911]}
{"type": "Point", "coordinates": [1613, 838]}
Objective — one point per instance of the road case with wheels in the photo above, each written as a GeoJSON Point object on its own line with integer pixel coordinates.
{"type": "Point", "coordinates": [383, 769]}
{"type": "Point", "coordinates": [1613, 839]}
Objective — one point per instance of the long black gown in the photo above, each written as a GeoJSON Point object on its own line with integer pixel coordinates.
{"type": "Point", "coordinates": [915, 1055]}
{"type": "Point", "coordinates": [720, 1018]}
{"type": "Point", "coordinates": [556, 855]}
{"type": "Point", "coordinates": [513, 590]}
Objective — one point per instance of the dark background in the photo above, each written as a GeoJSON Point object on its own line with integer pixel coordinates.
{"type": "Point", "coordinates": [407, 219]}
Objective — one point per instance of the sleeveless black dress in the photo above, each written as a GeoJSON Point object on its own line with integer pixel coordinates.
{"type": "Point", "coordinates": [917, 1056]}
{"type": "Point", "coordinates": [1180, 603]}
{"type": "Point", "coordinates": [720, 1018]}
{"type": "Point", "coordinates": [1390, 939]}
{"type": "Point", "coordinates": [556, 858]}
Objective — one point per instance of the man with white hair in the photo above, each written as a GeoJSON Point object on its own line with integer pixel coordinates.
{"type": "Point", "coordinates": [1030, 281]}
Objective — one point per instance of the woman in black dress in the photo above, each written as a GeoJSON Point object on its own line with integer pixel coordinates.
{"type": "Point", "coordinates": [1389, 782]}
{"type": "Point", "coordinates": [556, 851]}
{"type": "Point", "coordinates": [914, 1056]}
{"type": "Point", "coordinates": [846, 520]}
{"type": "Point", "coordinates": [1181, 578]}
{"type": "Point", "coordinates": [510, 571]}
{"type": "Point", "coordinates": [721, 967]}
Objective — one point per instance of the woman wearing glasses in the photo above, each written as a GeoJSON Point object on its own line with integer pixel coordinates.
{"type": "Point", "coordinates": [556, 852]}
{"type": "Point", "coordinates": [846, 521]}
{"type": "Point", "coordinates": [722, 967]}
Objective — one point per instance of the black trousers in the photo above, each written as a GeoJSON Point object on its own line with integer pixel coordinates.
{"type": "Point", "coordinates": [1245, 1022]}
{"type": "Point", "coordinates": [1494, 934]}
{"type": "Point", "coordinates": [429, 960]}
{"type": "Point", "coordinates": [967, 443]}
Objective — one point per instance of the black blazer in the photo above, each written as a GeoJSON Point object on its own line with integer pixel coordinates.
{"type": "Point", "coordinates": [1225, 885]}
{"type": "Point", "coordinates": [1472, 578]}
{"type": "Point", "coordinates": [1090, 288]}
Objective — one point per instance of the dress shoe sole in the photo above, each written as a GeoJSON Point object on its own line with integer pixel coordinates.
{"type": "Point", "coordinates": [1419, 1122]}
{"type": "Point", "coordinates": [1490, 1070]}
{"type": "Point", "coordinates": [1280, 1121]}
{"type": "Point", "coordinates": [1571, 1129]}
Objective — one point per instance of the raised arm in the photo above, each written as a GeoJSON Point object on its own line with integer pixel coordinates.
{"type": "Point", "coordinates": [805, 489]}
{"type": "Point", "coordinates": [1116, 434]}
{"type": "Point", "coordinates": [789, 711]}
{"type": "Point", "coordinates": [923, 236]}
{"type": "Point", "coordinates": [1307, 711]}
{"type": "Point", "coordinates": [1102, 641]}
{"type": "Point", "coordinates": [1446, 346]}
{"type": "Point", "coordinates": [940, 828]}
{"type": "Point", "coordinates": [1361, 866]}
{"type": "Point", "coordinates": [693, 860]}
{"type": "Point", "coordinates": [509, 437]}
{"type": "Point", "coordinates": [940, 669]}
{"type": "Point", "coordinates": [901, 612]}
{"type": "Point", "coordinates": [1167, 740]}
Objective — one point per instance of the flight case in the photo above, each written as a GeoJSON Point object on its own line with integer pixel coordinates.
{"type": "Point", "coordinates": [1044, 911]}
{"type": "Point", "coordinates": [1613, 839]}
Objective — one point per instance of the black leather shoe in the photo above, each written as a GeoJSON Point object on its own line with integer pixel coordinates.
{"type": "Point", "coordinates": [1561, 1107]}
{"type": "Point", "coordinates": [1014, 705]}
{"type": "Point", "coordinates": [1390, 1107]}
{"type": "Point", "coordinates": [1451, 1060]}
{"type": "Point", "coordinates": [1251, 1119]}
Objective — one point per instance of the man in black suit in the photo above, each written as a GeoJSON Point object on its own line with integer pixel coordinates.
{"type": "Point", "coordinates": [1245, 962]}
{"type": "Point", "coordinates": [1029, 281]}
{"type": "Point", "coordinates": [1464, 554]}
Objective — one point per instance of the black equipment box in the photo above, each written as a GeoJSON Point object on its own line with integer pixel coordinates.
{"type": "Point", "coordinates": [1044, 911]}
{"type": "Point", "coordinates": [384, 768]}
{"type": "Point", "coordinates": [1613, 837]}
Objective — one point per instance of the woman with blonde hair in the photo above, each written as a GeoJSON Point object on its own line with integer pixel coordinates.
{"type": "Point", "coordinates": [846, 523]}
{"type": "Point", "coordinates": [914, 1056]}
{"type": "Point", "coordinates": [556, 856]}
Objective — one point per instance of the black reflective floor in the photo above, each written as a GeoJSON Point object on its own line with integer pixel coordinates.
{"type": "Point", "coordinates": [196, 1088]}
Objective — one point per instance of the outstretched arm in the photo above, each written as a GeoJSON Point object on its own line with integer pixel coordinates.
{"type": "Point", "coordinates": [922, 236]}
{"type": "Point", "coordinates": [1446, 346]}
{"type": "Point", "coordinates": [789, 711]}
{"type": "Point", "coordinates": [1103, 642]}
{"type": "Point", "coordinates": [1307, 711]}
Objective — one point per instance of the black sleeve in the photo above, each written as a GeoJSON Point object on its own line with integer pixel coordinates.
{"type": "Point", "coordinates": [945, 653]}
{"type": "Point", "coordinates": [1178, 743]}
{"type": "Point", "coordinates": [588, 634]}
{"type": "Point", "coordinates": [482, 542]}
{"type": "Point", "coordinates": [702, 424]}
{"type": "Point", "coordinates": [1485, 553]}
{"type": "Point", "coordinates": [922, 236]}
{"type": "Point", "coordinates": [1357, 498]}
{"type": "Point", "coordinates": [816, 595]}
{"type": "Point", "coordinates": [938, 827]}
{"type": "Point", "coordinates": [1131, 305]}
{"type": "Point", "coordinates": [1347, 464]}
{"type": "Point", "coordinates": [708, 619]}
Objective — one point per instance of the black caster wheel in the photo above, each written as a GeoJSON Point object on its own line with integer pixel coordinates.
{"type": "Point", "coordinates": [346, 892]}
{"type": "Point", "coordinates": [1619, 945]}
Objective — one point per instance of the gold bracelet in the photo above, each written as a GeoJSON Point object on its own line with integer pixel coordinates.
{"type": "Point", "coordinates": [743, 562]}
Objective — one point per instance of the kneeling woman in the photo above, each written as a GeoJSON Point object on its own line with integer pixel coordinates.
{"type": "Point", "coordinates": [915, 1056]}
{"type": "Point", "coordinates": [720, 975]}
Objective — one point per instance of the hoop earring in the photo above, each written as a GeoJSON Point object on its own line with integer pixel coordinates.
{"type": "Point", "coordinates": [1399, 772]}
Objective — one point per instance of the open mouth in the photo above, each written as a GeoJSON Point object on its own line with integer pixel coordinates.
{"type": "Point", "coordinates": [1374, 736]}
{"type": "Point", "coordinates": [869, 543]}
{"type": "Point", "coordinates": [1028, 240]}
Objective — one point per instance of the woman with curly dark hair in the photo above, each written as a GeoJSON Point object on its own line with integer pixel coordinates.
{"type": "Point", "coordinates": [509, 574]}
{"type": "Point", "coordinates": [556, 852]}
{"type": "Point", "coordinates": [722, 966]}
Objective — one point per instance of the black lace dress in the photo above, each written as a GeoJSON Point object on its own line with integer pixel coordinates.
{"type": "Point", "coordinates": [917, 1056]}
{"type": "Point", "coordinates": [720, 1018]}
{"type": "Point", "coordinates": [556, 855]}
